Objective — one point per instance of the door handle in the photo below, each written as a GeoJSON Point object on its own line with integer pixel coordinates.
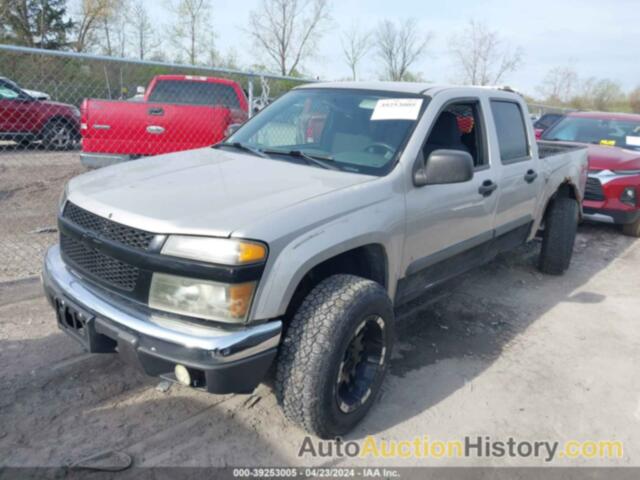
{"type": "Point", "coordinates": [530, 176]}
{"type": "Point", "coordinates": [157, 111]}
{"type": "Point", "coordinates": [155, 129]}
{"type": "Point", "coordinates": [487, 188]}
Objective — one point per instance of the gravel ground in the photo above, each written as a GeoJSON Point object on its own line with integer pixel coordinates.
{"type": "Point", "coordinates": [31, 182]}
{"type": "Point", "coordinates": [504, 352]}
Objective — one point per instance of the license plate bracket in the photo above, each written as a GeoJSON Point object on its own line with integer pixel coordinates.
{"type": "Point", "coordinates": [79, 324]}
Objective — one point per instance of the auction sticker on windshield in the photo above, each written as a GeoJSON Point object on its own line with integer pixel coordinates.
{"type": "Point", "coordinates": [397, 109]}
{"type": "Point", "coordinates": [633, 141]}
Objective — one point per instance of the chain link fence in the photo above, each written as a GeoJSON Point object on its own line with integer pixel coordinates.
{"type": "Point", "coordinates": [56, 107]}
{"type": "Point", "coordinates": [62, 113]}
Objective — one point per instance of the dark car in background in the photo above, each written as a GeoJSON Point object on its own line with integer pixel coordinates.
{"type": "Point", "coordinates": [25, 119]}
{"type": "Point", "coordinates": [613, 187]}
{"type": "Point", "coordinates": [545, 121]}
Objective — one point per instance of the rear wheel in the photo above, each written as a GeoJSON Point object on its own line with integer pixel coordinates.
{"type": "Point", "coordinates": [334, 355]}
{"type": "Point", "coordinates": [58, 135]}
{"type": "Point", "coordinates": [632, 229]}
{"type": "Point", "coordinates": [559, 235]}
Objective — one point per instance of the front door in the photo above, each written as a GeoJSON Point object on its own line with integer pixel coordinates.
{"type": "Point", "coordinates": [450, 227]}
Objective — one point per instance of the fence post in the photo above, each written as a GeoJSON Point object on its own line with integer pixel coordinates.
{"type": "Point", "coordinates": [250, 90]}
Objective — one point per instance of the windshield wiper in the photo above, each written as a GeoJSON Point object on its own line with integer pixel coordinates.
{"type": "Point", "coordinates": [242, 146]}
{"type": "Point", "coordinates": [319, 160]}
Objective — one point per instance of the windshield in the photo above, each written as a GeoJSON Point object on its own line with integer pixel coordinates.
{"type": "Point", "coordinates": [609, 132]}
{"type": "Point", "coordinates": [355, 130]}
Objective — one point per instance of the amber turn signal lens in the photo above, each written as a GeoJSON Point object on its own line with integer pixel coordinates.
{"type": "Point", "coordinates": [240, 299]}
{"type": "Point", "coordinates": [251, 252]}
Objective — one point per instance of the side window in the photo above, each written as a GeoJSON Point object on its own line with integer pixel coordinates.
{"type": "Point", "coordinates": [459, 127]}
{"type": "Point", "coordinates": [511, 130]}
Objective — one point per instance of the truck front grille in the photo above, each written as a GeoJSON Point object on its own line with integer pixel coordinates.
{"type": "Point", "coordinates": [97, 264]}
{"type": "Point", "coordinates": [105, 228]}
{"type": "Point", "coordinates": [83, 249]}
{"type": "Point", "coordinates": [594, 190]}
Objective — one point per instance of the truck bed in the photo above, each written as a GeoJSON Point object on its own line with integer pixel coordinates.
{"type": "Point", "coordinates": [547, 149]}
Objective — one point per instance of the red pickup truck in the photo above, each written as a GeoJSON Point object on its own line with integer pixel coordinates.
{"type": "Point", "coordinates": [613, 186]}
{"type": "Point", "coordinates": [178, 112]}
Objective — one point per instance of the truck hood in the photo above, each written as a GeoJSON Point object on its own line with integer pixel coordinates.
{"type": "Point", "coordinates": [202, 192]}
{"type": "Point", "coordinates": [613, 158]}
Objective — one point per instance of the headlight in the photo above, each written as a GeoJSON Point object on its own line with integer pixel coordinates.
{"type": "Point", "coordinates": [201, 298]}
{"type": "Point", "coordinates": [223, 251]}
{"type": "Point", "coordinates": [628, 196]}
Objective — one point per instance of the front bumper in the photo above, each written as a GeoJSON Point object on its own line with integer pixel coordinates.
{"type": "Point", "coordinates": [229, 360]}
{"type": "Point", "coordinates": [99, 160]}
{"type": "Point", "coordinates": [602, 199]}
{"type": "Point", "coordinates": [621, 217]}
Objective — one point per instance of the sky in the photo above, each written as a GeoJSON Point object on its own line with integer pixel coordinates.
{"type": "Point", "coordinates": [595, 37]}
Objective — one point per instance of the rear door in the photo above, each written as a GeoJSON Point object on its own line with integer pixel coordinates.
{"type": "Point", "coordinates": [190, 113]}
{"type": "Point", "coordinates": [117, 127]}
{"type": "Point", "coordinates": [520, 181]}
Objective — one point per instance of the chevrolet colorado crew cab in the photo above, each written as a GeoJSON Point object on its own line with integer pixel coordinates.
{"type": "Point", "coordinates": [177, 112]}
{"type": "Point", "coordinates": [281, 249]}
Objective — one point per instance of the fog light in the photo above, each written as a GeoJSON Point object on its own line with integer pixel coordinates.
{"type": "Point", "coordinates": [182, 375]}
{"type": "Point", "coordinates": [628, 196]}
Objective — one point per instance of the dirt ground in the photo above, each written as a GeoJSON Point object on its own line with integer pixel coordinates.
{"type": "Point", "coordinates": [31, 182]}
{"type": "Point", "coordinates": [505, 352]}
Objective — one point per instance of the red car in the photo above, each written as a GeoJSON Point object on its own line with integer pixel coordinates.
{"type": "Point", "coordinates": [178, 112]}
{"type": "Point", "coordinates": [613, 187]}
{"type": "Point", "coordinates": [25, 119]}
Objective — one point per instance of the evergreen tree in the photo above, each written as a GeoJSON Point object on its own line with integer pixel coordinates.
{"type": "Point", "coordinates": [35, 23]}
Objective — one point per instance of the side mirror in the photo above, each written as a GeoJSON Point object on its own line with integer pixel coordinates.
{"type": "Point", "coordinates": [231, 129]}
{"type": "Point", "coordinates": [444, 166]}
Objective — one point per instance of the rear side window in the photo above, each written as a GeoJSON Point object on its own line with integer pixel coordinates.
{"type": "Point", "coordinates": [512, 133]}
{"type": "Point", "coordinates": [194, 93]}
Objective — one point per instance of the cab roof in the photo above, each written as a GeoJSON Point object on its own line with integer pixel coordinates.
{"type": "Point", "coordinates": [415, 88]}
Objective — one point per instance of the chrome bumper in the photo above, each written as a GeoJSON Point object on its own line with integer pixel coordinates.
{"type": "Point", "coordinates": [99, 160]}
{"type": "Point", "coordinates": [221, 345]}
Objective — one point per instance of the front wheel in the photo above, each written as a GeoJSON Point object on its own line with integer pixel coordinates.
{"type": "Point", "coordinates": [334, 355]}
{"type": "Point", "coordinates": [559, 236]}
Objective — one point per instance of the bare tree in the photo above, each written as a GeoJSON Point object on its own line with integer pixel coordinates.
{"type": "Point", "coordinates": [287, 31]}
{"type": "Point", "coordinates": [114, 27]}
{"type": "Point", "coordinates": [143, 35]}
{"type": "Point", "coordinates": [605, 94]}
{"type": "Point", "coordinates": [481, 56]}
{"type": "Point", "coordinates": [192, 20]}
{"type": "Point", "coordinates": [355, 46]}
{"type": "Point", "coordinates": [559, 85]}
{"type": "Point", "coordinates": [90, 17]}
{"type": "Point", "coordinates": [399, 46]}
{"type": "Point", "coordinates": [634, 100]}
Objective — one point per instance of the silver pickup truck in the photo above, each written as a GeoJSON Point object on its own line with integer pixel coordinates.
{"type": "Point", "coordinates": [290, 245]}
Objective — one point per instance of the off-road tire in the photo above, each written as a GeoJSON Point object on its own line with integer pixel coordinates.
{"type": "Point", "coordinates": [559, 235]}
{"type": "Point", "coordinates": [313, 348]}
{"type": "Point", "coordinates": [632, 229]}
{"type": "Point", "coordinates": [58, 135]}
